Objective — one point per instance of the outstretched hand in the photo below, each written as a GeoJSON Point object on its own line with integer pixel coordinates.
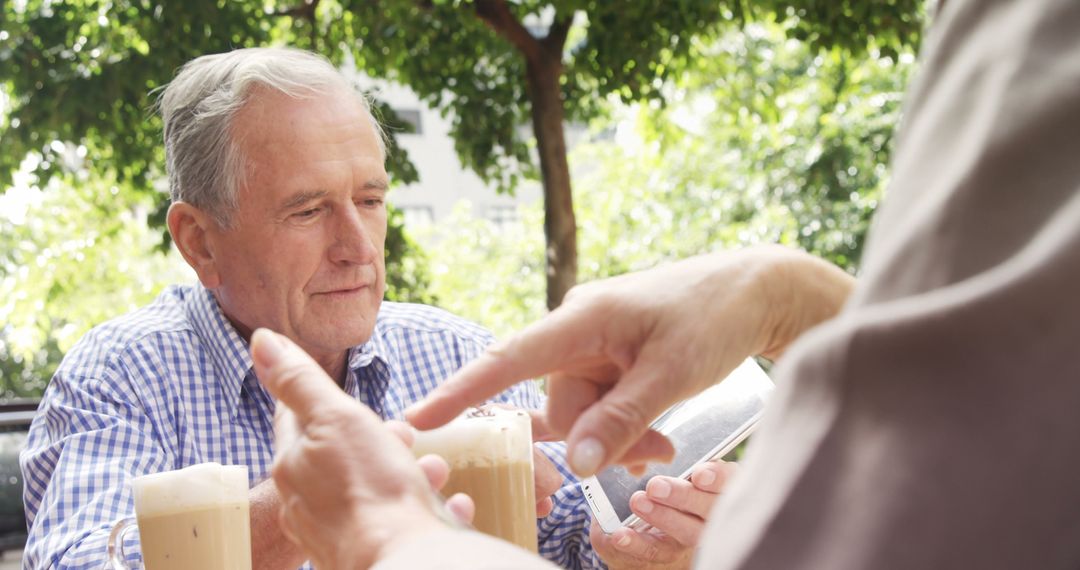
{"type": "Point", "coordinates": [618, 352]}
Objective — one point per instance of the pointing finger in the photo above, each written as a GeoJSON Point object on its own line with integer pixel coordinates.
{"type": "Point", "coordinates": [542, 347]}
{"type": "Point", "coordinates": [609, 428]}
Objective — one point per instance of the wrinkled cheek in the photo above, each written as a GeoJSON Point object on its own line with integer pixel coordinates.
{"type": "Point", "coordinates": [381, 292]}
{"type": "Point", "coordinates": [297, 312]}
{"type": "Point", "coordinates": [264, 281]}
{"type": "Point", "coordinates": [381, 278]}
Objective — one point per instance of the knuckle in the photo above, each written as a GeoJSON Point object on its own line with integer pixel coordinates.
{"type": "Point", "coordinates": [280, 472]}
{"type": "Point", "coordinates": [290, 374]}
{"type": "Point", "coordinates": [650, 552]}
{"type": "Point", "coordinates": [679, 496]}
{"type": "Point", "coordinates": [338, 418]}
{"type": "Point", "coordinates": [576, 293]}
{"type": "Point", "coordinates": [627, 415]}
{"type": "Point", "coordinates": [588, 297]}
{"type": "Point", "coordinates": [690, 499]}
{"type": "Point", "coordinates": [683, 532]}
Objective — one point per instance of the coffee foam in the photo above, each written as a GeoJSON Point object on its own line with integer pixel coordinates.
{"type": "Point", "coordinates": [496, 436]}
{"type": "Point", "coordinates": [204, 485]}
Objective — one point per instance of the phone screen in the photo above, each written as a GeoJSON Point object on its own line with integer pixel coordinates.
{"type": "Point", "coordinates": [701, 428]}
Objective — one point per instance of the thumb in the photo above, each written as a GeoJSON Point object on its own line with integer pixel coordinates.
{"type": "Point", "coordinates": [292, 376]}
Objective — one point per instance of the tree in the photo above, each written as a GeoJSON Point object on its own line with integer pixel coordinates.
{"type": "Point", "coordinates": [79, 70]}
{"type": "Point", "coordinates": [762, 140]}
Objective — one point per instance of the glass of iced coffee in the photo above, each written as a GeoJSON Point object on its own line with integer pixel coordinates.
{"type": "Point", "coordinates": [196, 517]}
{"type": "Point", "coordinates": [490, 455]}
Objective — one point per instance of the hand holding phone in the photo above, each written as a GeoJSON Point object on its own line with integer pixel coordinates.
{"type": "Point", "coordinates": [705, 427]}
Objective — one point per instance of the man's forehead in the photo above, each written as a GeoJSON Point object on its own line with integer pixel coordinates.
{"type": "Point", "coordinates": [305, 130]}
{"type": "Point", "coordinates": [293, 145]}
{"type": "Point", "coordinates": [270, 107]}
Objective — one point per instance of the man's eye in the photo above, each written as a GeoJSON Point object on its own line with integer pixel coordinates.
{"type": "Point", "coordinates": [372, 202]}
{"type": "Point", "coordinates": [306, 213]}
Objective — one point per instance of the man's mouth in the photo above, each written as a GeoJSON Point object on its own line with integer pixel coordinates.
{"type": "Point", "coordinates": [344, 291]}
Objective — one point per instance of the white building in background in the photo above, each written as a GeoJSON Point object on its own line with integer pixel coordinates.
{"type": "Point", "coordinates": [443, 180]}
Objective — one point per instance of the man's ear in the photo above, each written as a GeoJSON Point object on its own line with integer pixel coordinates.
{"type": "Point", "coordinates": [190, 228]}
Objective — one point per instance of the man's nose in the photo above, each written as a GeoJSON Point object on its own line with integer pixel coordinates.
{"type": "Point", "coordinates": [352, 239]}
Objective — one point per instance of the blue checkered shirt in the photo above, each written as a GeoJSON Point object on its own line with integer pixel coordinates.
{"type": "Point", "coordinates": [172, 385]}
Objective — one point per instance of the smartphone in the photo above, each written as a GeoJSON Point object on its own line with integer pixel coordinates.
{"type": "Point", "coordinates": [705, 427]}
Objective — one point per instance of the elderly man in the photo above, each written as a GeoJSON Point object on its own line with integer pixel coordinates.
{"type": "Point", "coordinates": [276, 172]}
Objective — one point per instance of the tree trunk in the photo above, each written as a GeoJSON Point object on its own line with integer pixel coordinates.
{"type": "Point", "coordinates": [543, 64]}
{"type": "Point", "coordinates": [560, 226]}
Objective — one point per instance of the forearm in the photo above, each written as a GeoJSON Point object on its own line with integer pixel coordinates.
{"type": "Point", "coordinates": [270, 548]}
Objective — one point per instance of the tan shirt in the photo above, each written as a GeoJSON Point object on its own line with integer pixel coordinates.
{"type": "Point", "coordinates": [936, 422]}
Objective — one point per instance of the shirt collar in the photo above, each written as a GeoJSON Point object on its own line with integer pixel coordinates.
{"type": "Point", "coordinates": [231, 354]}
{"type": "Point", "coordinates": [369, 370]}
{"type": "Point", "coordinates": [375, 348]}
{"type": "Point", "coordinates": [228, 350]}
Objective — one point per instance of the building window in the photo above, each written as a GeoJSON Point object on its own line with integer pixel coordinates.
{"type": "Point", "coordinates": [416, 216]}
{"type": "Point", "coordinates": [408, 122]}
{"type": "Point", "coordinates": [502, 215]}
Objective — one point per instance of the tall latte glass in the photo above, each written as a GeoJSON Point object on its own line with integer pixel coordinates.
{"type": "Point", "coordinates": [192, 518]}
{"type": "Point", "coordinates": [490, 457]}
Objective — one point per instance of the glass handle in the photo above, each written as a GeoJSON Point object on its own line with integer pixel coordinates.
{"type": "Point", "coordinates": [117, 559]}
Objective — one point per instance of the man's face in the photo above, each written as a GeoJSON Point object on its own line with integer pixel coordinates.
{"type": "Point", "coordinates": [305, 254]}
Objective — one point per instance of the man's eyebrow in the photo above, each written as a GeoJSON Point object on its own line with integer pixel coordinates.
{"type": "Point", "coordinates": [377, 184]}
{"type": "Point", "coordinates": [297, 200]}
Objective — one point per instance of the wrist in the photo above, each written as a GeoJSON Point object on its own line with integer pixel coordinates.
{"type": "Point", "coordinates": [408, 523]}
{"type": "Point", "coordinates": [799, 290]}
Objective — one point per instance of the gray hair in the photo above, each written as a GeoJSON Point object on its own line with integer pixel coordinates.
{"type": "Point", "coordinates": [204, 163]}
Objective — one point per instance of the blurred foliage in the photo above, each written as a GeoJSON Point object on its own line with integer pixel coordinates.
{"type": "Point", "coordinates": [763, 140]}
{"type": "Point", "coordinates": [81, 253]}
{"type": "Point", "coordinates": [76, 74]}
{"type": "Point", "coordinates": [407, 277]}
{"type": "Point", "coordinates": [80, 71]}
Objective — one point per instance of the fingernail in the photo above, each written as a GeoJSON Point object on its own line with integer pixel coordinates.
{"type": "Point", "coordinates": [644, 505]}
{"type": "Point", "coordinates": [586, 457]}
{"type": "Point", "coordinates": [623, 540]}
{"type": "Point", "coordinates": [270, 347]}
{"type": "Point", "coordinates": [659, 488]}
{"type": "Point", "coordinates": [706, 477]}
